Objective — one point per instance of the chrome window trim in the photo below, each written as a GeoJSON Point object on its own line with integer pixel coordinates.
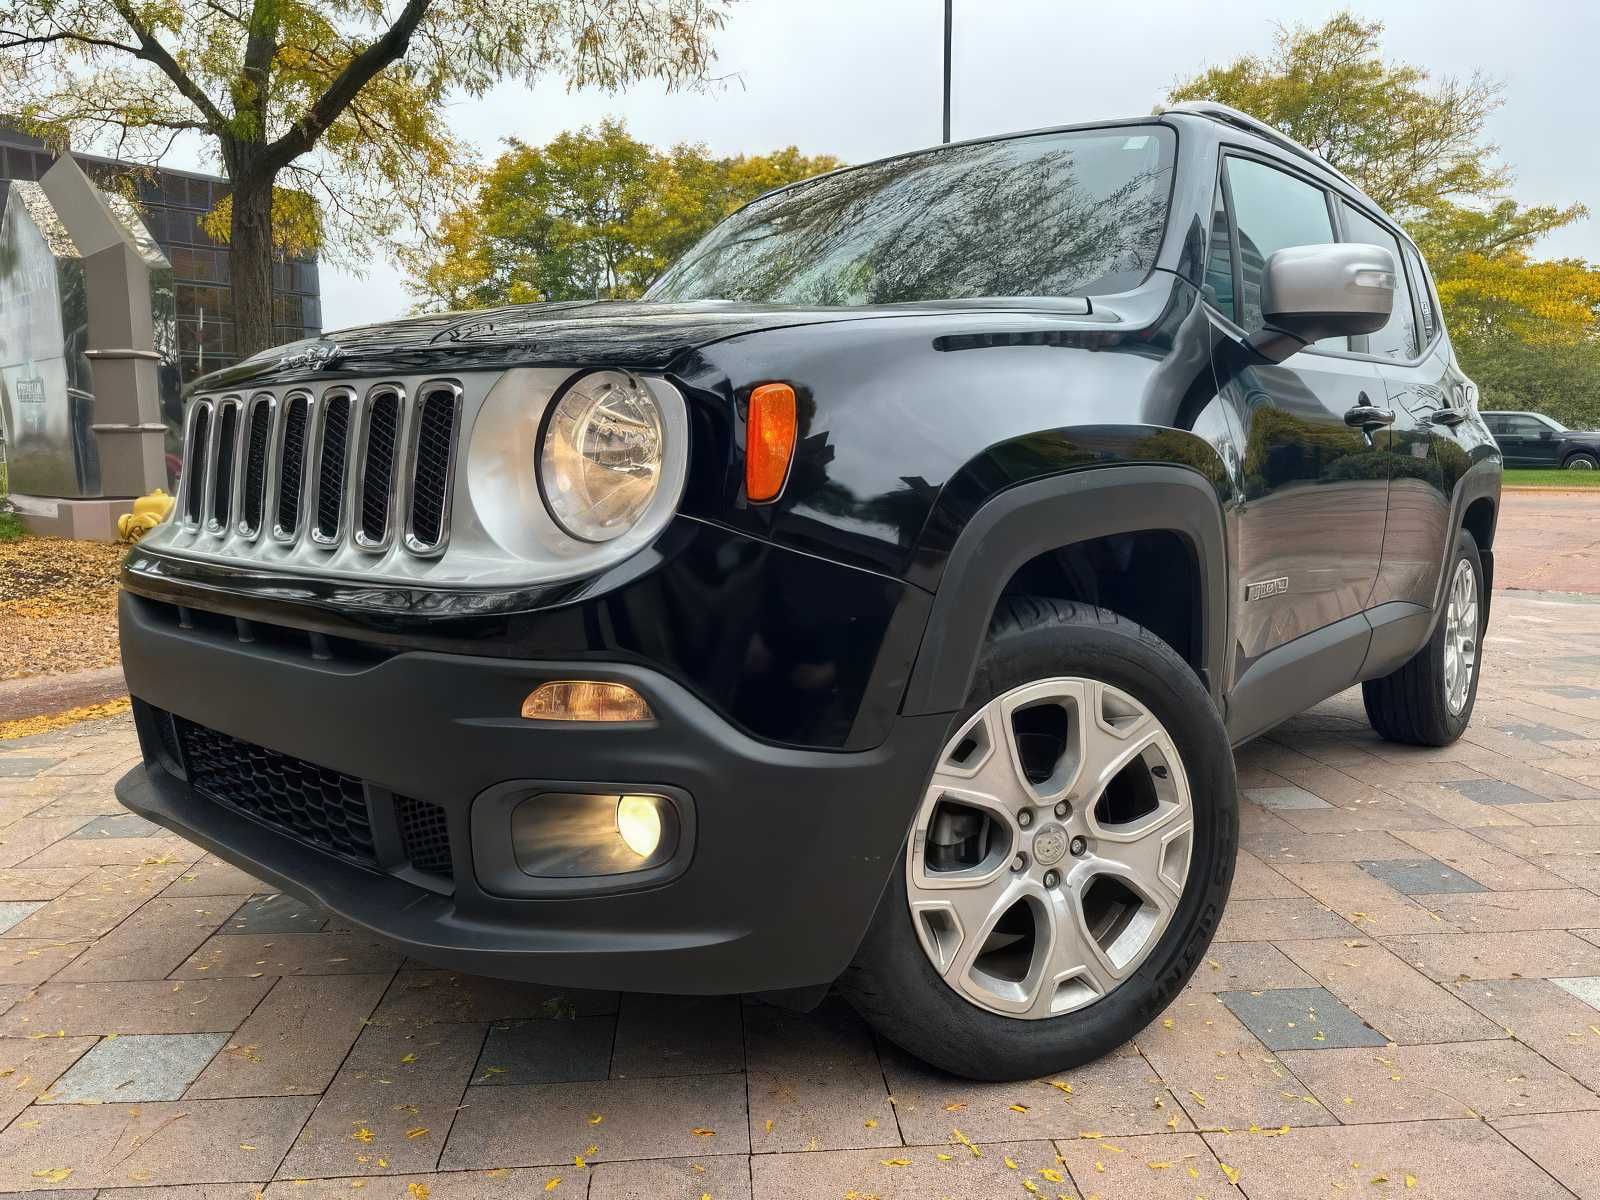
{"type": "Point", "coordinates": [414, 422]}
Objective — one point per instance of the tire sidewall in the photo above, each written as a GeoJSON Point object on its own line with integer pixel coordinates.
{"type": "Point", "coordinates": [998, 1047]}
{"type": "Point", "coordinates": [1466, 548]}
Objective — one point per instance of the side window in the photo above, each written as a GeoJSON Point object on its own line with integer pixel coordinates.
{"type": "Point", "coordinates": [1524, 426]}
{"type": "Point", "coordinates": [1219, 260]}
{"type": "Point", "coordinates": [1272, 209]}
{"type": "Point", "coordinates": [1426, 302]}
{"type": "Point", "coordinates": [1397, 339]}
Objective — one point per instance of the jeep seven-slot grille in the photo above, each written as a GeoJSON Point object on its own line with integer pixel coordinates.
{"type": "Point", "coordinates": [316, 805]}
{"type": "Point", "coordinates": [329, 466]}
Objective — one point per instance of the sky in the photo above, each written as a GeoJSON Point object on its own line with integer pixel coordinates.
{"type": "Point", "coordinates": [861, 79]}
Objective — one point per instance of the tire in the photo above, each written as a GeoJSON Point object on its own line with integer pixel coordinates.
{"type": "Point", "coordinates": [1413, 704]}
{"type": "Point", "coordinates": [1581, 461]}
{"type": "Point", "coordinates": [1039, 646]}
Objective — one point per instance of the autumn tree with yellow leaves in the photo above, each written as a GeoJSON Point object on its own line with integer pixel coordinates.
{"type": "Point", "coordinates": [327, 115]}
{"type": "Point", "coordinates": [1528, 330]}
{"type": "Point", "coordinates": [593, 214]}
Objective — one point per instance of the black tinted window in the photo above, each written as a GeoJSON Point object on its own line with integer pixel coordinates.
{"type": "Point", "coordinates": [1219, 262]}
{"type": "Point", "coordinates": [1425, 299]}
{"type": "Point", "coordinates": [1397, 339]}
{"type": "Point", "coordinates": [1052, 215]}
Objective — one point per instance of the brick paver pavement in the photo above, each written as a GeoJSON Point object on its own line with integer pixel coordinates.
{"type": "Point", "coordinates": [1403, 1000]}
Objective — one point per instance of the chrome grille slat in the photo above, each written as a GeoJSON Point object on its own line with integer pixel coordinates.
{"type": "Point", "coordinates": [331, 467]}
{"type": "Point", "coordinates": [433, 467]}
{"type": "Point", "coordinates": [225, 462]}
{"type": "Point", "coordinates": [291, 464]}
{"type": "Point", "coordinates": [333, 460]}
{"type": "Point", "coordinates": [195, 473]}
{"type": "Point", "coordinates": [375, 472]}
{"type": "Point", "coordinates": [257, 442]}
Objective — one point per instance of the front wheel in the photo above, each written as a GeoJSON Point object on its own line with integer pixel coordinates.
{"type": "Point", "coordinates": [1428, 701]}
{"type": "Point", "coordinates": [1582, 461]}
{"type": "Point", "coordinates": [1069, 861]}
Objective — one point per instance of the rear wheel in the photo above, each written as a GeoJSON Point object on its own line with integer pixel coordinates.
{"type": "Point", "coordinates": [1428, 701]}
{"type": "Point", "coordinates": [1070, 858]}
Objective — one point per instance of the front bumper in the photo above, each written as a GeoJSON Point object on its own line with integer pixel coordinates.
{"type": "Point", "coordinates": [792, 847]}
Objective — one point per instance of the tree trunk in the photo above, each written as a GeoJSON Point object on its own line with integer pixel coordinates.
{"type": "Point", "coordinates": [251, 252]}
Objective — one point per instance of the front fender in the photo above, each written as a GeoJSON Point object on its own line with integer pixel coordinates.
{"type": "Point", "coordinates": [1032, 518]}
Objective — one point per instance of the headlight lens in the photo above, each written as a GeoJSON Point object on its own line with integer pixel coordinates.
{"type": "Point", "coordinates": [601, 460]}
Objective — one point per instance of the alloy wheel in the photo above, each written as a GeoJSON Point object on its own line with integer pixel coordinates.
{"type": "Point", "coordinates": [1461, 637]}
{"type": "Point", "coordinates": [1051, 848]}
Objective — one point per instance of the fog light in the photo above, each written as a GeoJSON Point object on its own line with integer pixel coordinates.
{"type": "Point", "coordinates": [574, 835]}
{"type": "Point", "coordinates": [585, 700]}
{"type": "Point", "coordinates": [639, 823]}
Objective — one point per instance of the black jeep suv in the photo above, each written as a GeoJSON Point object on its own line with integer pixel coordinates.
{"type": "Point", "coordinates": [875, 604]}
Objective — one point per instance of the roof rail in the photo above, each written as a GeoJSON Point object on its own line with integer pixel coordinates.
{"type": "Point", "coordinates": [1243, 120]}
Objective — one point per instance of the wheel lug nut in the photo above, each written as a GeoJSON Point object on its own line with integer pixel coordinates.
{"type": "Point", "coordinates": [1025, 818]}
{"type": "Point", "coordinates": [1052, 878]}
{"type": "Point", "coordinates": [1079, 845]}
{"type": "Point", "coordinates": [1063, 809]}
{"type": "Point", "coordinates": [1019, 862]}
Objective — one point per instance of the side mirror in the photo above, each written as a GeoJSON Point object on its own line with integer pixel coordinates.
{"type": "Point", "coordinates": [1546, 435]}
{"type": "Point", "coordinates": [1313, 292]}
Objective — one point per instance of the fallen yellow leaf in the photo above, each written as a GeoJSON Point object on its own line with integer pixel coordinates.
{"type": "Point", "coordinates": [704, 1132]}
{"type": "Point", "coordinates": [419, 1131]}
{"type": "Point", "coordinates": [552, 1183]}
{"type": "Point", "coordinates": [895, 1162]}
{"type": "Point", "coordinates": [53, 1174]}
{"type": "Point", "coordinates": [418, 1190]}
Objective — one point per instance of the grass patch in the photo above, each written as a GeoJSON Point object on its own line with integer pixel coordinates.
{"type": "Point", "coordinates": [1552, 478]}
{"type": "Point", "coordinates": [10, 527]}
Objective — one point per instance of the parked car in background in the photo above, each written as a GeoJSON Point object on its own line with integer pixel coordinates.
{"type": "Point", "coordinates": [1530, 439]}
{"type": "Point", "coordinates": [876, 602]}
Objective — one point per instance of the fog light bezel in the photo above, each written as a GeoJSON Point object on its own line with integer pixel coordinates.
{"type": "Point", "coordinates": [500, 873]}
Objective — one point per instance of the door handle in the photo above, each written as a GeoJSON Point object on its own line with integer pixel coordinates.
{"type": "Point", "coordinates": [1448, 416]}
{"type": "Point", "coordinates": [1369, 416]}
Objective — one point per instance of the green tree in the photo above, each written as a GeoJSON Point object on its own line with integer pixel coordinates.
{"type": "Point", "coordinates": [1418, 146]}
{"type": "Point", "coordinates": [340, 101]}
{"type": "Point", "coordinates": [594, 213]}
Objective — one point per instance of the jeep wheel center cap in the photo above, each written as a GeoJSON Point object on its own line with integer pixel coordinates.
{"type": "Point", "coordinates": [1050, 844]}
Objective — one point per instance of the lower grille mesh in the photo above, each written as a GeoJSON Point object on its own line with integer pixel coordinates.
{"type": "Point", "coordinates": [323, 807]}
{"type": "Point", "coordinates": [425, 835]}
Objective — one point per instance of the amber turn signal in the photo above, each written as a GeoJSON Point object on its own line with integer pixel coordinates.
{"type": "Point", "coordinates": [769, 443]}
{"type": "Point", "coordinates": [585, 700]}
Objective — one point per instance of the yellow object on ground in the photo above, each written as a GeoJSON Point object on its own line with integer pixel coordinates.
{"type": "Point", "coordinates": [45, 722]}
{"type": "Point", "coordinates": [148, 512]}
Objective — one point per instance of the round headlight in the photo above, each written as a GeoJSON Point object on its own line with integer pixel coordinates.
{"type": "Point", "coordinates": [601, 459]}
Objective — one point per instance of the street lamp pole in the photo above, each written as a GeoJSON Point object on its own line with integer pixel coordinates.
{"type": "Point", "coordinates": [948, 4]}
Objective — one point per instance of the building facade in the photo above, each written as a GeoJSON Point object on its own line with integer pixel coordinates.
{"type": "Point", "coordinates": [172, 204]}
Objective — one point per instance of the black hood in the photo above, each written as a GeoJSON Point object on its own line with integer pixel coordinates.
{"type": "Point", "coordinates": [642, 335]}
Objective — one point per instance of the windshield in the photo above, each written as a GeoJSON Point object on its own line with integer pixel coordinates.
{"type": "Point", "coordinates": [1049, 215]}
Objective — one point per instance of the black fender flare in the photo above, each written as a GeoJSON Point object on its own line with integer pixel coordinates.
{"type": "Point", "coordinates": [1032, 518]}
